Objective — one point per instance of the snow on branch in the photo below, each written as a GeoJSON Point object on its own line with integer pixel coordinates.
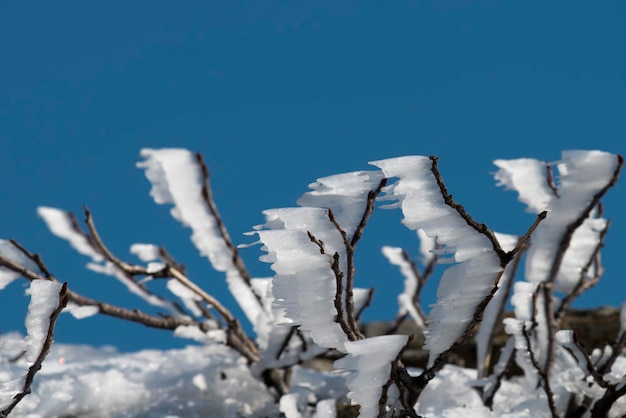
{"type": "Point", "coordinates": [564, 243]}
{"type": "Point", "coordinates": [466, 286]}
{"type": "Point", "coordinates": [181, 178]}
{"type": "Point", "coordinates": [369, 364]}
{"type": "Point", "coordinates": [48, 298]}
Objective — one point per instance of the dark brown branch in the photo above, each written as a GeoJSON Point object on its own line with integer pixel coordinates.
{"type": "Point", "coordinates": [35, 258]}
{"type": "Point", "coordinates": [506, 357]}
{"type": "Point", "coordinates": [542, 373]}
{"type": "Point", "coordinates": [550, 180]}
{"type": "Point", "coordinates": [45, 349]}
{"type": "Point", "coordinates": [207, 195]}
{"type": "Point", "coordinates": [338, 300]}
{"type": "Point", "coordinates": [486, 362]}
{"type": "Point", "coordinates": [579, 353]}
{"type": "Point", "coordinates": [236, 338]}
{"type": "Point", "coordinates": [350, 245]}
{"type": "Point", "coordinates": [480, 228]}
{"type": "Point", "coordinates": [571, 228]}
{"type": "Point", "coordinates": [393, 377]}
{"type": "Point", "coordinates": [584, 283]}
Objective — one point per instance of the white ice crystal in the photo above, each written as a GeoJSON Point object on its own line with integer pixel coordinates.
{"type": "Point", "coordinates": [176, 178]}
{"type": "Point", "coordinates": [405, 299]}
{"type": "Point", "coordinates": [582, 174]}
{"type": "Point", "coordinates": [60, 223]}
{"type": "Point", "coordinates": [492, 311]}
{"type": "Point", "coordinates": [11, 252]}
{"type": "Point", "coordinates": [464, 285]}
{"type": "Point", "coordinates": [345, 194]}
{"type": "Point", "coordinates": [370, 362]}
{"type": "Point", "coordinates": [44, 300]}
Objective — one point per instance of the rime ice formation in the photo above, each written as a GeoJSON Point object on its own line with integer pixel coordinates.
{"type": "Point", "coordinates": [61, 224]}
{"type": "Point", "coordinates": [369, 365]}
{"type": "Point", "coordinates": [492, 311]}
{"type": "Point", "coordinates": [582, 174]}
{"type": "Point", "coordinates": [11, 252]}
{"type": "Point", "coordinates": [405, 299]}
{"type": "Point", "coordinates": [464, 285]}
{"type": "Point", "coordinates": [345, 194]}
{"type": "Point", "coordinates": [304, 286]}
{"type": "Point", "coordinates": [176, 178]}
{"type": "Point", "coordinates": [44, 300]}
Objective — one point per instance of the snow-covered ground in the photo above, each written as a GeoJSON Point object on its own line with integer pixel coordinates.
{"type": "Point", "coordinates": [214, 381]}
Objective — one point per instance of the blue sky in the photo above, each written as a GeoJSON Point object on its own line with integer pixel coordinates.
{"type": "Point", "coordinates": [276, 94]}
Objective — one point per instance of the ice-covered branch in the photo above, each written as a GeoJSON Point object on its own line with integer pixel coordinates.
{"type": "Point", "coordinates": [369, 364]}
{"type": "Point", "coordinates": [408, 300]}
{"type": "Point", "coordinates": [465, 287]}
{"type": "Point", "coordinates": [180, 177]}
{"type": "Point", "coordinates": [48, 298]}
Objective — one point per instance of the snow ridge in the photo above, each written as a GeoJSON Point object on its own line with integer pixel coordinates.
{"type": "Point", "coordinates": [464, 285]}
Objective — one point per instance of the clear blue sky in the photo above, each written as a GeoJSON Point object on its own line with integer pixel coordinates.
{"type": "Point", "coordinates": [276, 94]}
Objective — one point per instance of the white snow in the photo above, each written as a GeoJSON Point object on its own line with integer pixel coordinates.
{"type": "Point", "coordinates": [405, 299]}
{"type": "Point", "coordinates": [44, 300]}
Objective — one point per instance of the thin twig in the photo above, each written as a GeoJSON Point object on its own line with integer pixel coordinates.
{"type": "Point", "coordinates": [542, 373]}
{"type": "Point", "coordinates": [396, 363]}
{"type": "Point", "coordinates": [584, 283]}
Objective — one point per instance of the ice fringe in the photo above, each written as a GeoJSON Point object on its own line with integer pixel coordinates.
{"type": "Point", "coordinates": [467, 283]}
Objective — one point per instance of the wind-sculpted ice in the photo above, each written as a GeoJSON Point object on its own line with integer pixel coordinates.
{"type": "Point", "coordinates": [369, 363]}
{"type": "Point", "coordinates": [406, 303]}
{"type": "Point", "coordinates": [582, 174]}
{"type": "Point", "coordinates": [176, 177]}
{"type": "Point", "coordinates": [463, 285]}
{"type": "Point", "coordinates": [305, 285]}
{"type": "Point", "coordinates": [345, 194]}
{"type": "Point", "coordinates": [62, 224]}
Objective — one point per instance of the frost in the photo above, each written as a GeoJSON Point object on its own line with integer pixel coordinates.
{"type": "Point", "coordinates": [495, 305]}
{"type": "Point", "coordinates": [63, 226]}
{"type": "Point", "coordinates": [370, 362]}
{"type": "Point", "coordinates": [463, 286]}
{"type": "Point", "coordinates": [11, 252]}
{"type": "Point", "coordinates": [582, 174]}
{"type": "Point", "coordinates": [405, 299]}
{"type": "Point", "coordinates": [176, 178]}
{"type": "Point", "coordinates": [345, 194]}
{"type": "Point", "coordinates": [145, 252]}
{"type": "Point", "coordinates": [44, 300]}
{"type": "Point", "coordinates": [81, 312]}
